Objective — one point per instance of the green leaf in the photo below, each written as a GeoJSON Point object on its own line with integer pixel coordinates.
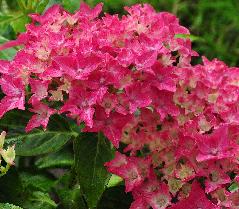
{"type": "Point", "coordinates": [39, 200]}
{"type": "Point", "coordinates": [38, 141]}
{"type": "Point", "coordinates": [189, 36]}
{"type": "Point", "coordinates": [90, 155]}
{"type": "Point", "coordinates": [70, 196]}
{"type": "Point", "coordinates": [233, 187]}
{"type": "Point", "coordinates": [71, 5]}
{"type": "Point", "coordinates": [41, 6]}
{"type": "Point", "coordinates": [22, 4]}
{"type": "Point", "coordinates": [19, 24]}
{"type": "Point", "coordinates": [6, 54]}
{"type": "Point", "coordinates": [17, 20]}
{"type": "Point", "coordinates": [27, 190]}
{"type": "Point", "coordinates": [114, 181]}
{"type": "Point", "coordinates": [6, 19]}
{"type": "Point", "coordinates": [8, 206]}
{"type": "Point", "coordinates": [10, 5]}
{"type": "Point", "coordinates": [36, 182]}
{"type": "Point", "coordinates": [55, 160]}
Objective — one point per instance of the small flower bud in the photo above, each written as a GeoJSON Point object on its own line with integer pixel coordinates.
{"type": "Point", "coordinates": [9, 155]}
{"type": "Point", "coordinates": [2, 138]}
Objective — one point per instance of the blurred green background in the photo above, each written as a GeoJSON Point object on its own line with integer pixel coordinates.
{"type": "Point", "coordinates": [214, 23]}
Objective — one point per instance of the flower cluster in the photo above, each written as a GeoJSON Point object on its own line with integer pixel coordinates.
{"type": "Point", "coordinates": [131, 78]}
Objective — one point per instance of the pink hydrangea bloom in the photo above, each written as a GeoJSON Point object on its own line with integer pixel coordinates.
{"type": "Point", "coordinates": [41, 116]}
{"type": "Point", "coordinates": [215, 146]}
{"type": "Point", "coordinates": [197, 199]}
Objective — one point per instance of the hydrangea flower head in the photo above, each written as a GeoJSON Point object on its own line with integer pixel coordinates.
{"type": "Point", "coordinates": [131, 78]}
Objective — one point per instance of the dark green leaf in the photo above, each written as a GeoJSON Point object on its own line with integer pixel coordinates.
{"type": "Point", "coordinates": [11, 189]}
{"type": "Point", "coordinates": [55, 160]}
{"type": "Point", "coordinates": [70, 196]}
{"type": "Point", "coordinates": [39, 200]}
{"type": "Point", "coordinates": [90, 155]}
{"type": "Point", "coordinates": [38, 141]}
{"type": "Point", "coordinates": [41, 142]}
{"type": "Point", "coordinates": [36, 182]}
{"type": "Point", "coordinates": [11, 5]}
{"type": "Point", "coordinates": [26, 190]}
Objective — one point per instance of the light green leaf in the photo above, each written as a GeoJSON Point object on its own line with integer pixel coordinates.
{"type": "Point", "coordinates": [90, 155]}
{"type": "Point", "coordinates": [38, 141]}
{"type": "Point", "coordinates": [234, 187]}
{"type": "Point", "coordinates": [6, 54]}
{"type": "Point", "coordinates": [8, 206]}
{"type": "Point", "coordinates": [6, 19]}
{"type": "Point", "coordinates": [114, 181]}
{"type": "Point", "coordinates": [189, 36]}
{"type": "Point", "coordinates": [19, 24]}
{"type": "Point", "coordinates": [55, 160]}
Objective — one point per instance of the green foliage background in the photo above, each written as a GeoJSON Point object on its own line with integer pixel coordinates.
{"type": "Point", "coordinates": [52, 170]}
